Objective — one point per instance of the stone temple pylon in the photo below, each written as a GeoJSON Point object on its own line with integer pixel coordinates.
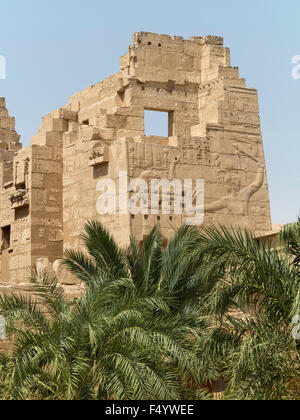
{"type": "Point", "coordinates": [49, 190]}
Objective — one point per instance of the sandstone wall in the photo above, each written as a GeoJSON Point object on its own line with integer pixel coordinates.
{"type": "Point", "coordinates": [49, 189]}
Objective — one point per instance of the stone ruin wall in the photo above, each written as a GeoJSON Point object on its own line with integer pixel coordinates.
{"type": "Point", "coordinates": [48, 189]}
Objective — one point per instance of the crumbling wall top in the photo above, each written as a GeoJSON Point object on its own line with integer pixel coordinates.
{"type": "Point", "coordinates": [9, 139]}
{"type": "Point", "coordinates": [142, 37]}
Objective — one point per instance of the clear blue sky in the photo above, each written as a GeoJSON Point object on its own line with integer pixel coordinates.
{"type": "Point", "coordinates": [55, 48]}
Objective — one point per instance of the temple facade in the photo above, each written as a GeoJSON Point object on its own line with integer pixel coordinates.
{"type": "Point", "coordinates": [51, 188]}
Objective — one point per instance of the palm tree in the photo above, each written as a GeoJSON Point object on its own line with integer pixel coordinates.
{"type": "Point", "coordinates": [254, 300]}
{"type": "Point", "coordinates": [154, 269]}
{"type": "Point", "coordinates": [160, 322]}
{"type": "Point", "coordinates": [290, 238]}
{"type": "Point", "coordinates": [135, 334]}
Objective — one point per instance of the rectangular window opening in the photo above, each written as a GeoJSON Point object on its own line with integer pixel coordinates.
{"type": "Point", "coordinates": [159, 123]}
{"type": "Point", "coordinates": [22, 213]}
{"type": "Point", "coordinates": [5, 231]}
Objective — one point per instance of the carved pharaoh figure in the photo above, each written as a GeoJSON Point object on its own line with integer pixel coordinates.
{"type": "Point", "coordinates": [237, 200]}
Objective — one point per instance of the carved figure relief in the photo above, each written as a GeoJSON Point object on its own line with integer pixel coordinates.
{"type": "Point", "coordinates": [237, 200]}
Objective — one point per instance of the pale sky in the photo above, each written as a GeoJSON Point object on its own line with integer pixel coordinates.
{"type": "Point", "coordinates": [54, 49]}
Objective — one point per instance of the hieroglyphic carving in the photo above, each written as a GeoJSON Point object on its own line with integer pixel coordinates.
{"type": "Point", "coordinates": [241, 110]}
{"type": "Point", "coordinates": [53, 223]}
{"type": "Point", "coordinates": [55, 235]}
{"type": "Point", "coordinates": [196, 151]}
{"type": "Point", "coordinates": [20, 236]}
{"type": "Point", "coordinates": [166, 158]}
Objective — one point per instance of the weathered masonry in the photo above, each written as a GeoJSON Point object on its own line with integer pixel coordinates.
{"type": "Point", "coordinates": [48, 190]}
